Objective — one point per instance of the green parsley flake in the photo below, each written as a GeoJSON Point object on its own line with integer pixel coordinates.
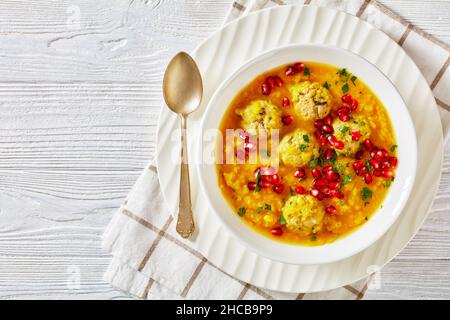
{"type": "Point", "coordinates": [353, 79]}
{"type": "Point", "coordinates": [345, 88]}
{"type": "Point", "coordinates": [346, 179]}
{"type": "Point", "coordinates": [282, 220]}
{"type": "Point", "coordinates": [366, 194]}
{"type": "Point", "coordinates": [260, 209]}
{"type": "Point", "coordinates": [393, 148]}
{"type": "Point", "coordinates": [241, 211]}
{"type": "Point", "coordinates": [305, 138]}
{"type": "Point", "coordinates": [326, 85]}
{"type": "Point", "coordinates": [313, 163]}
{"type": "Point", "coordinates": [306, 72]}
{"type": "Point", "coordinates": [343, 129]}
{"type": "Point", "coordinates": [268, 207]}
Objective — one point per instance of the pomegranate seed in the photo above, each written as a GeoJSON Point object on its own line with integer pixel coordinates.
{"type": "Point", "coordinates": [299, 190]}
{"type": "Point", "coordinates": [343, 110]}
{"type": "Point", "coordinates": [357, 165]}
{"type": "Point", "coordinates": [328, 120]}
{"type": "Point", "coordinates": [387, 173]}
{"type": "Point", "coordinates": [278, 81]}
{"type": "Point", "coordinates": [271, 82]}
{"type": "Point", "coordinates": [393, 161]}
{"type": "Point", "coordinates": [377, 173]}
{"type": "Point", "coordinates": [276, 231]}
{"type": "Point", "coordinates": [278, 188]}
{"type": "Point", "coordinates": [339, 195]}
{"type": "Point", "coordinates": [327, 169]}
{"type": "Point", "coordinates": [323, 140]}
{"type": "Point", "coordinates": [339, 145]}
{"type": "Point", "coordinates": [327, 128]}
{"type": "Point", "coordinates": [265, 88]}
{"type": "Point", "coordinates": [375, 164]}
{"type": "Point", "coordinates": [320, 183]}
{"type": "Point", "coordinates": [332, 140]}
{"type": "Point", "coordinates": [368, 178]}
{"type": "Point", "coordinates": [299, 67]}
{"type": "Point", "coordinates": [373, 152]}
{"type": "Point", "coordinates": [359, 155]}
{"type": "Point", "coordinates": [384, 153]}
{"type": "Point", "coordinates": [314, 192]}
{"type": "Point", "coordinates": [256, 172]}
{"type": "Point", "coordinates": [287, 119]}
{"type": "Point", "coordinates": [346, 98]}
{"type": "Point", "coordinates": [318, 124]}
{"type": "Point", "coordinates": [299, 173]}
{"type": "Point", "coordinates": [354, 105]}
{"type": "Point", "coordinates": [330, 210]}
{"type": "Point", "coordinates": [368, 144]}
{"type": "Point", "coordinates": [331, 193]}
{"type": "Point", "coordinates": [251, 185]}
{"type": "Point", "coordinates": [379, 155]}
{"type": "Point", "coordinates": [334, 184]}
{"type": "Point", "coordinates": [264, 184]}
{"type": "Point", "coordinates": [286, 102]}
{"type": "Point", "coordinates": [316, 173]}
{"type": "Point", "coordinates": [275, 179]}
{"type": "Point", "coordinates": [361, 171]}
{"type": "Point", "coordinates": [344, 117]}
{"type": "Point", "coordinates": [290, 71]}
{"type": "Point", "coordinates": [356, 135]}
{"type": "Point", "coordinates": [329, 154]}
{"type": "Point", "coordinates": [320, 196]}
{"type": "Point", "coordinates": [332, 176]}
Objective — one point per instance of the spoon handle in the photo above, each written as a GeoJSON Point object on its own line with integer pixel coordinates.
{"type": "Point", "coordinates": [185, 223]}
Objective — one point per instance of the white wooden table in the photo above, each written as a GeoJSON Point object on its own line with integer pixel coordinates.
{"type": "Point", "coordinates": [79, 100]}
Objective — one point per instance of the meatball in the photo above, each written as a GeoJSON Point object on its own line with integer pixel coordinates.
{"type": "Point", "coordinates": [352, 133]}
{"type": "Point", "coordinates": [260, 115]}
{"type": "Point", "coordinates": [298, 148]}
{"type": "Point", "coordinates": [303, 213]}
{"type": "Point", "coordinates": [311, 100]}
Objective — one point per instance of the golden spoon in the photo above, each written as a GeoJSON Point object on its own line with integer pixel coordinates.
{"type": "Point", "coordinates": [183, 90]}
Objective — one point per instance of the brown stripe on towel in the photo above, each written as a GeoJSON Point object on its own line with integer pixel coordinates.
{"type": "Point", "coordinates": [440, 74]}
{"type": "Point", "coordinates": [442, 104]}
{"type": "Point", "coordinates": [155, 243]}
{"type": "Point", "coordinates": [147, 288]}
{"type": "Point", "coordinates": [243, 292]}
{"type": "Point", "coordinates": [238, 6]}
{"type": "Point", "coordinates": [193, 277]}
{"type": "Point", "coordinates": [363, 291]}
{"type": "Point", "coordinates": [307, 2]}
{"type": "Point", "coordinates": [363, 7]}
{"type": "Point", "coordinates": [352, 290]}
{"type": "Point", "coordinates": [300, 296]}
{"type": "Point", "coordinates": [405, 34]}
{"type": "Point", "coordinates": [280, 2]}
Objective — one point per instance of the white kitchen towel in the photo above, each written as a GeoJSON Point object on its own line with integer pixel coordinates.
{"type": "Point", "coordinates": [151, 261]}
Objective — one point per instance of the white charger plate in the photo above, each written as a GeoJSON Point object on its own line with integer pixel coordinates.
{"type": "Point", "coordinates": [247, 37]}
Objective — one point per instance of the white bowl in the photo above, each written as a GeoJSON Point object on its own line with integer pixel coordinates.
{"type": "Point", "coordinates": [399, 191]}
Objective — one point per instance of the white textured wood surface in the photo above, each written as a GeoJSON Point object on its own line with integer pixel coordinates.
{"type": "Point", "coordinates": [79, 102]}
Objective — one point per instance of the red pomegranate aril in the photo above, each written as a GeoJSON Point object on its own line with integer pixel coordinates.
{"type": "Point", "coordinates": [387, 173]}
{"type": "Point", "coordinates": [384, 153]}
{"type": "Point", "coordinates": [327, 128]}
{"type": "Point", "coordinates": [357, 165]}
{"type": "Point", "coordinates": [299, 67]}
{"type": "Point", "coordinates": [330, 210]}
{"type": "Point", "coordinates": [375, 164]}
{"type": "Point", "coordinates": [334, 184]}
{"type": "Point", "coordinates": [286, 102]}
{"type": "Point", "coordinates": [359, 155]}
{"type": "Point", "coordinates": [264, 184]}
{"type": "Point", "coordinates": [331, 193]}
{"type": "Point", "coordinates": [287, 120]}
{"type": "Point", "coordinates": [278, 188]}
{"type": "Point", "coordinates": [361, 171]}
{"type": "Point", "coordinates": [368, 178]}
{"type": "Point", "coordinates": [275, 179]}
{"type": "Point", "coordinates": [340, 195]}
{"type": "Point", "coordinates": [332, 176]}
{"type": "Point", "coordinates": [320, 196]}
{"type": "Point", "coordinates": [393, 161]}
{"type": "Point", "coordinates": [320, 183]}
{"type": "Point", "coordinates": [328, 120]}
{"type": "Point", "coordinates": [377, 173]}
{"type": "Point", "coordinates": [323, 140]}
{"type": "Point", "coordinates": [271, 82]}
{"type": "Point", "coordinates": [314, 192]}
{"type": "Point", "coordinates": [316, 173]}
{"type": "Point", "coordinates": [265, 88]}
{"type": "Point", "coordinates": [327, 169]}
{"type": "Point", "coordinates": [356, 135]}
{"type": "Point", "coordinates": [332, 140]}
{"type": "Point", "coordinates": [346, 98]}
{"type": "Point", "coordinates": [379, 155]}
{"type": "Point", "coordinates": [318, 124]}
{"type": "Point", "coordinates": [368, 144]}
{"type": "Point", "coordinates": [251, 185]}
{"type": "Point", "coordinates": [276, 231]}
{"type": "Point", "coordinates": [354, 105]}
{"type": "Point", "coordinates": [339, 145]}
{"type": "Point", "coordinates": [343, 110]}
{"type": "Point", "coordinates": [290, 71]}
{"type": "Point", "coordinates": [344, 117]}
{"type": "Point", "coordinates": [329, 154]}
{"type": "Point", "coordinates": [299, 190]}
{"type": "Point", "coordinates": [278, 81]}
{"type": "Point", "coordinates": [373, 152]}
{"type": "Point", "coordinates": [299, 173]}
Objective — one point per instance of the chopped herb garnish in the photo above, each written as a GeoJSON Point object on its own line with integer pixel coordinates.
{"type": "Point", "coordinates": [344, 129]}
{"type": "Point", "coordinates": [241, 211]}
{"type": "Point", "coordinates": [341, 168]}
{"type": "Point", "coordinates": [369, 166]}
{"type": "Point", "coordinates": [346, 179]}
{"type": "Point", "coordinates": [291, 191]}
{"type": "Point", "coordinates": [268, 207]}
{"type": "Point", "coordinates": [387, 183]}
{"type": "Point", "coordinates": [362, 123]}
{"type": "Point", "coordinates": [392, 149]}
{"type": "Point", "coordinates": [305, 138]}
{"type": "Point", "coordinates": [342, 72]}
{"type": "Point", "coordinates": [326, 85]}
{"type": "Point", "coordinates": [365, 218]}
{"type": "Point", "coordinates": [345, 88]}
{"type": "Point", "coordinates": [353, 79]}
{"type": "Point", "coordinates": [341, 202]}
{"type": "Point", "coordinates": [303, 147]}
{"type": "Point", "coordinates": [306, 72]}
{"type": "Point", "coordinates": [260, 209]}
{"type": "Point", "coordinates": [313, 238]}
{"type": "Point", "coordinates": [366, 194]}
{"type": "Point", "coordinates": [333, 159]}
{"type": "Point", "coordinates": [313, 163]}
{"type": "Point", "coordinates": [282, 220]}
{"type": "Point", "coordinates": [258, 180]}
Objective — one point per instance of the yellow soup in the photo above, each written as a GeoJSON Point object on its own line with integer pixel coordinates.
{"type": "Point", "coordinates": [335, 153]}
